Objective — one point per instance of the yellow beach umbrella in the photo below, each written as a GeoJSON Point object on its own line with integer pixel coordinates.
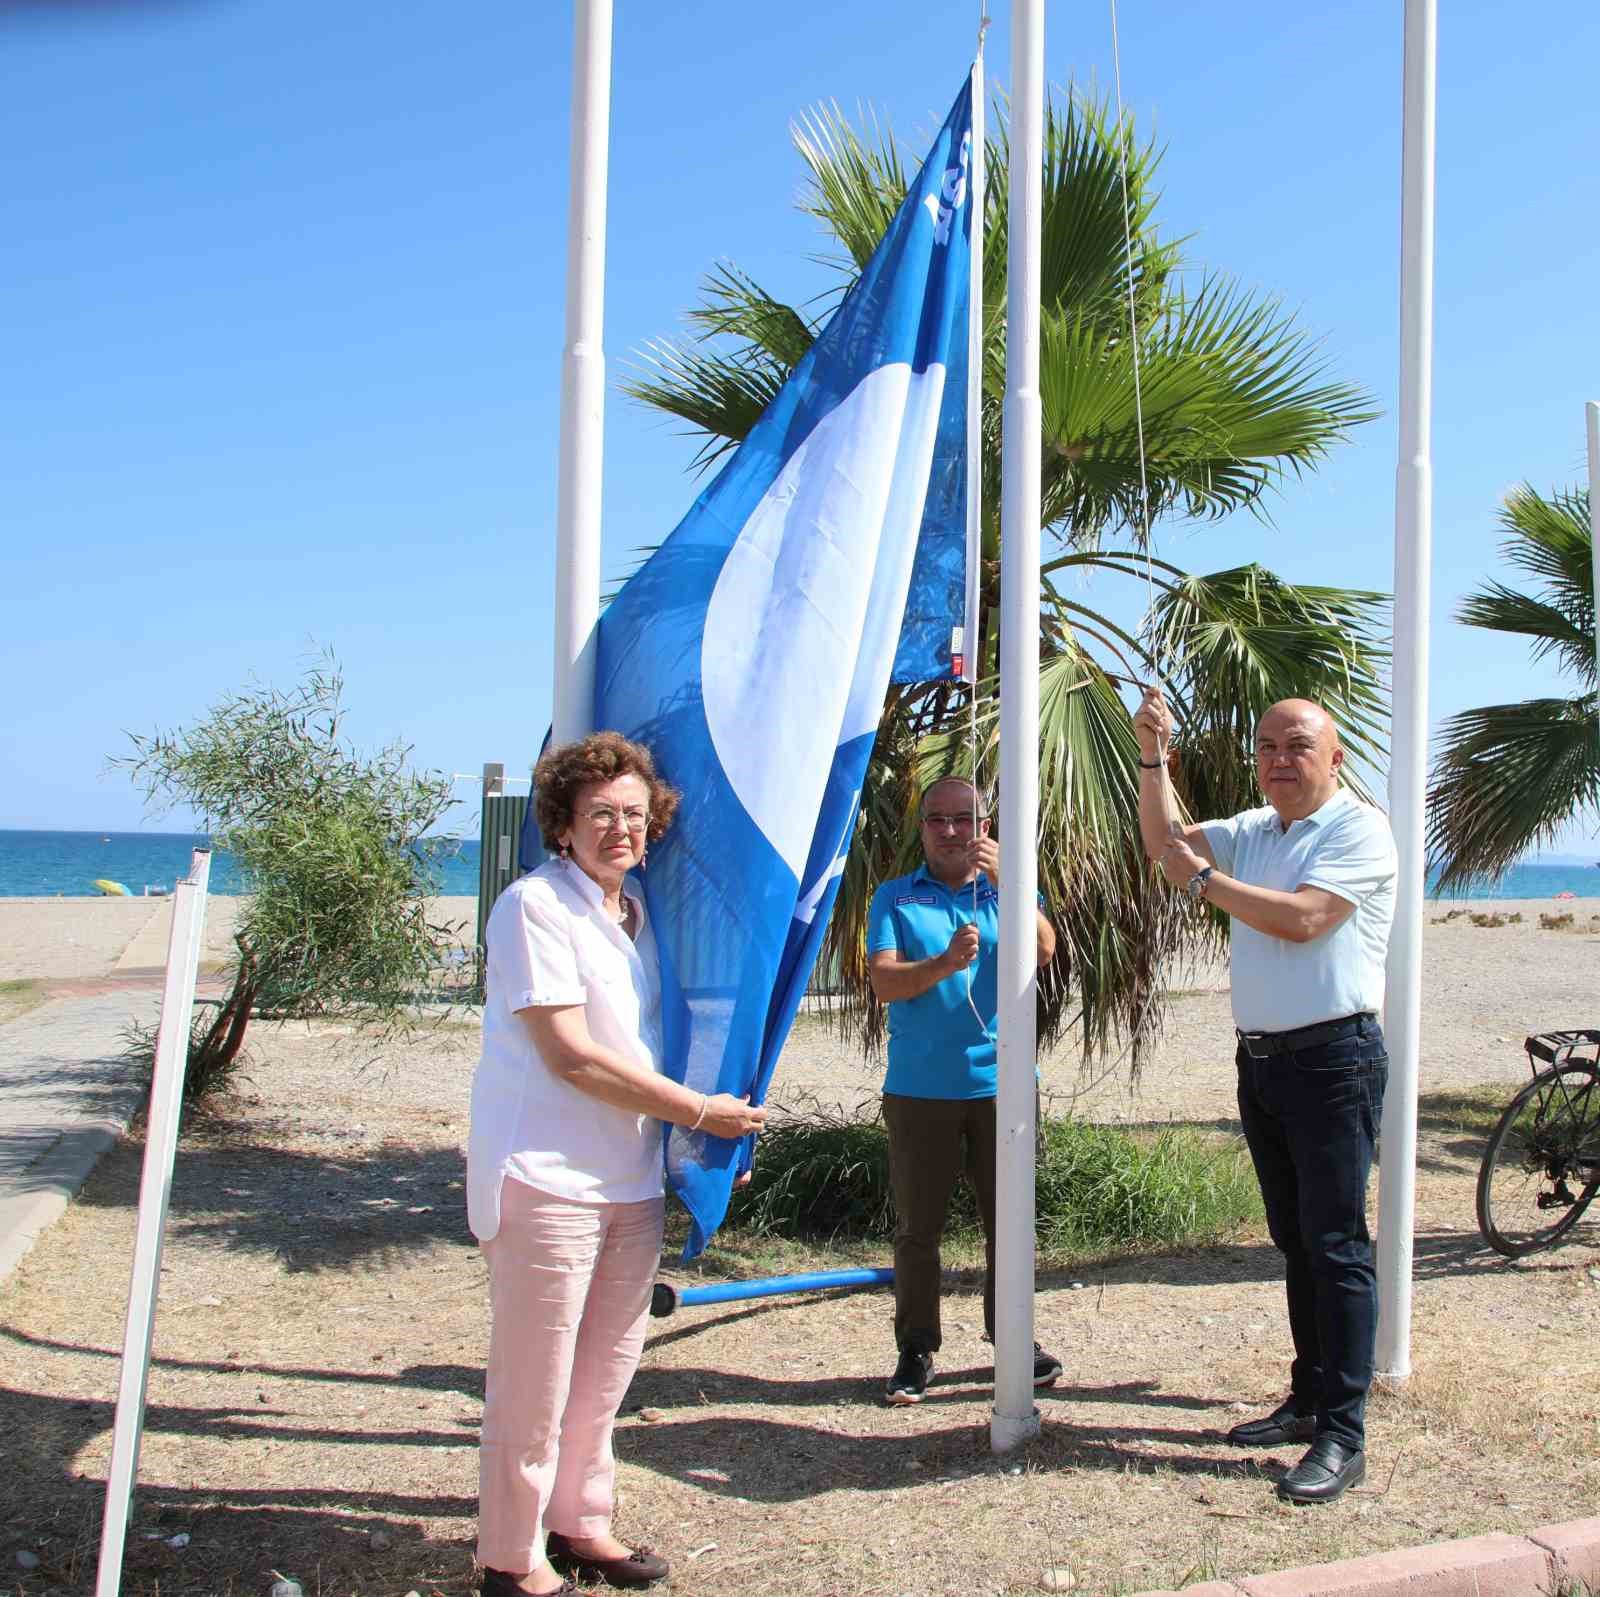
{"type": "Point", "coordinates": [111, 889]}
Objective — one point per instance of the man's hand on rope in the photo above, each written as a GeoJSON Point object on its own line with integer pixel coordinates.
{"type": "Point", "coordinates": [1152, 723]}
{"type": "Point", "coordinates": [1179, 863]}
{"type": "Point", "coordinates": [984, 852]}
{"type": "Point", "coordinates": [963, 947]}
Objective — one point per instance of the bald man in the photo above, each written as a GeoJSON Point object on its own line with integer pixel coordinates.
{"type": "Point", "coordinates": [1309, 884]}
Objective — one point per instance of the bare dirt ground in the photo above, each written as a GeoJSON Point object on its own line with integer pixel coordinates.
{"type": "Point", "coordinates": [317, 1384]}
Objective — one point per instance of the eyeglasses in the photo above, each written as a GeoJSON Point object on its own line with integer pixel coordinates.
{"type": "Point", "coordinates": [607, 819]}
{"type": "Point", "coordinates": [949, 823]}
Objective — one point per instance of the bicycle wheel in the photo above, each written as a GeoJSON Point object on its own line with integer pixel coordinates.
{"type": "Point", "coordinates": [1542, 1165]}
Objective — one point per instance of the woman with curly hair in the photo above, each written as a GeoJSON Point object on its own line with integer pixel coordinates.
{"type": "Point", "coordinates": [564, 1169]}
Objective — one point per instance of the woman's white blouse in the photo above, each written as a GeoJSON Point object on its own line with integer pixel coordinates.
{"type": "Point", "coordinates": [550, 942]}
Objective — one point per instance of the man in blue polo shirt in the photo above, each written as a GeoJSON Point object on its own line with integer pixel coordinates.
{"type": "Point", "coordinates": [931, 944]}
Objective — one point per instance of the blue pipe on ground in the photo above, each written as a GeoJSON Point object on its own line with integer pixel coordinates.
{"type": "Point", "coordinates": [667, 1298]}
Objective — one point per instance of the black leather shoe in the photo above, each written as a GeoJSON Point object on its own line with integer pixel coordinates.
{"type": "Point", "coordinates": [1328, 1471]}
{"type": "Point", "coordinates": [1284, 1425]}
{"type": "Point", "coordinates": [497, 1583]}
{"type": "Point", "coordinates": [640, 1568]}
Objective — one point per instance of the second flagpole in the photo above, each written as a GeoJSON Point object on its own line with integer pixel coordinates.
{"type": "Point", "coordinates": [583, 380]}
{"type": "Point", "coordinates": [1015, 1417]}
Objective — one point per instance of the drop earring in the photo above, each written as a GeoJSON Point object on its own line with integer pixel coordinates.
{"type": "Point", "coordinates": [644, 854]}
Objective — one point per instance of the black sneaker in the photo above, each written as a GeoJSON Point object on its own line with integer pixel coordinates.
{"type": "Point", "coordinates": [1046, 1367]}
{"type": "Point", "coordinates": [910, 1379]}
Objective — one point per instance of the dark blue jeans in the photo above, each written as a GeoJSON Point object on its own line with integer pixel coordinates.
{"type": "Point", "coordinates": [1311, 1123]}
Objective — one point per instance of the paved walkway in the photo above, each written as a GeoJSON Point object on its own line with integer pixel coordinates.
{"type": "Point", "coordinates": [65, 1094]}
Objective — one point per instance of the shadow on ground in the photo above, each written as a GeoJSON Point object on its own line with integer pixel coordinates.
{"type": "Point", "coordinates": [318, 1210]}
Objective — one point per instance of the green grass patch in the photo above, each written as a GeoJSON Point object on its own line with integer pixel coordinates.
{"type": "Point", "coordinates": [1473, 1110]}
{"type": "Point", "coordinates": [823, 1178]}
{"type": "Point", "coordinates": [18, 996]}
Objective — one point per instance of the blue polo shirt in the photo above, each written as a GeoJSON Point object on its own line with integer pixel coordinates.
{"type": "Point", "coordinates": [937, 1049]}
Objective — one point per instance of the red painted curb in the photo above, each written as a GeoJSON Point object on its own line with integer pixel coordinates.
{"type": "Point", "coordinates": [1476, 1566]}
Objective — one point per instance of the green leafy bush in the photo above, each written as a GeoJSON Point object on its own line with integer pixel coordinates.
{"type": "Point", "coordinates": [824, 1175]}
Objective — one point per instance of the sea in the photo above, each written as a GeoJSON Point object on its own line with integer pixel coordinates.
{"type": "Point", "coordinates": [68, 864]}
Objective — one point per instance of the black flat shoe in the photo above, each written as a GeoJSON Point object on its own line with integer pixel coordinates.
{"type": "Point", "coordinates": [497, 1583]}
{"type": "Point", "coordinates": [640, 1568]}
{"type": "Point", "coordinates": [1327, 1472]}
{"type": "Point", "coordinates": [1285, 1425]}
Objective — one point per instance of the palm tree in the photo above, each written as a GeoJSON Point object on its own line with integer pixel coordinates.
{"type": "Point", "coordinates": [1508, 775]}
{"type": "Point", "coordinates": [1234, 399]}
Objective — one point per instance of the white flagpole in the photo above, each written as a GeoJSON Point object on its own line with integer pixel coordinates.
{"type": "Point", "coordinates": [155, 1188]}
{"type": "Point", "coordinates": [1015, 1418]}
{"type": "Point", "coordinates": [1591, 413]}
{"type": "Point", "coordinates": [583, 380]}
{"type": "Point", "coordinates": [1408, 756]}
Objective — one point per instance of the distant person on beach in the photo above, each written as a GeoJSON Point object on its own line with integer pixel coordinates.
{"type": "Point", "coordinates": [932, 939]}
{"type": "Point", "coordinates": [1309, 884]}
{"type": "Point", "coordinates": [564, 1170]}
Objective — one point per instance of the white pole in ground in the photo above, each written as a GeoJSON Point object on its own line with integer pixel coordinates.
{"type": "Point", "coordinates": [1015, 1418]}
{"type": "Point", "coordinates": [1408, 754]}
{"type": "Point", "coordinates": [583, 380]}
{"type": "Point", "coordinates": [1591, 413]}
{"type": "Point", "coordinates": [155, 1187]}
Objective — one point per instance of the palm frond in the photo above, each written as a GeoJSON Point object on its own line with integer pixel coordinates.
{"type": "Point", "coordinates": [858, 180]}
{"type": "Point", "coordinates": [1550, 539]}
{"type": "Point", "coordinates": [736, 306]}
{"type": "Point", "coordinates": [719, 396]}
{"type": "Point", "coordinates": [1507, 778]}
{"type": "Point", "coordinates": [1233, 399]}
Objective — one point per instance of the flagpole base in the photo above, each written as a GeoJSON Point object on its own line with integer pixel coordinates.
{"type": "Point", "coordinates": [1010, 1431]}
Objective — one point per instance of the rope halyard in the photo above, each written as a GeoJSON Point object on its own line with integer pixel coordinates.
{"type": "Point", "coordinates": [1147, 627]}
{"type": "Point", "coordinates": [1133, 332]}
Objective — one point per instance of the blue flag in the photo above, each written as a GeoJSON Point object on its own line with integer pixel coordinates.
{"type": "Point", "coordinates": [752, 651]}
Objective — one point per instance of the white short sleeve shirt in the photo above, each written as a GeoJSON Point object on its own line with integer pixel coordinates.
{"type": "Point", "coordinates": [1346, 847]}
{"type": "Point", "coordinates": [549, 942]}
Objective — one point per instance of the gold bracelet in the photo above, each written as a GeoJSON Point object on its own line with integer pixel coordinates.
{"type": "Point", "coordinates": [704, 1102]}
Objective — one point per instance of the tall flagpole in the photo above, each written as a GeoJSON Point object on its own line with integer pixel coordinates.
{"type": "Point", "coordinates": [1408, 755]}
{"type": "Point", "coordinates": [1015, 1418]}
{"type": "Point", "coordinates": [583, 380]}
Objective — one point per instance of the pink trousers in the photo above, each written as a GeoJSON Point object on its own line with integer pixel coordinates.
{"type": "Point", "coordinates": [569, 1288]}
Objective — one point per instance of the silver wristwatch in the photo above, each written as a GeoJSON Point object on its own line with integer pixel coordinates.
{"type": "Point", "coordinates": [1197, 884]}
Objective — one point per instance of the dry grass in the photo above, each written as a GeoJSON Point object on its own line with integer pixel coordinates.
{"type": "Point", "coordinates": [318, 1377]}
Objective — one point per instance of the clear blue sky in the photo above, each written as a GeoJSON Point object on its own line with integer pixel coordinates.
{"type": "Point", "coordinates": [283, 290]}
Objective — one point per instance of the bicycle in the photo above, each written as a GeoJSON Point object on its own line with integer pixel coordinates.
{"type": "Point", "coordinates": [1545, 1145]}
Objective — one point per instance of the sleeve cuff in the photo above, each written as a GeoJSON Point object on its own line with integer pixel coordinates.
{"type": "Point", "coordinates": [549, 998]}
{"type": "Point", "coordinates": [1338, 889]}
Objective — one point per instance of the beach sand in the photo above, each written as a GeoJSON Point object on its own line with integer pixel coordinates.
{"type": "Point", "coordinates": [1484, 990]}
{"type": "Point", "coordinates": [90, 939]}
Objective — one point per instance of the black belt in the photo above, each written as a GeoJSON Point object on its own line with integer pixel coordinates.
{"type": "Point", "coordinates": [1264, 1044]}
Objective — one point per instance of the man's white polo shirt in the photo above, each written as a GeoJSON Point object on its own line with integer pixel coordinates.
{"type": "Point", "coordinates": [1346, 847]}
{"type": "Point", "coordinates": [549, 942]}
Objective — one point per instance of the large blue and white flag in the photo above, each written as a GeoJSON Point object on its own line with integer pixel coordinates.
{"type": "Point", "coordinates": [753, 650]}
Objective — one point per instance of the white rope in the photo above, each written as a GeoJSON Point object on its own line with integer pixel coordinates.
{"type": "Point", "coordinates": [976, 312]}
{"type": "Point", "coordinates": [1133, 331]}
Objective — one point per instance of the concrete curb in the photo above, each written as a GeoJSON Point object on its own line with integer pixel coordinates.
{"type": "Point", "coordinates": [53, 1181]}
{"type": "Point", "coordinates": [1536, 1565]}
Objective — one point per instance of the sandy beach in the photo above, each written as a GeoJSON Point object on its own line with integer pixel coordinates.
{"type": "Point", "coordinates": [1484, 990]}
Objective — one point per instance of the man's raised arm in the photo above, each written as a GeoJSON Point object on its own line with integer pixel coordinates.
{"type": "Point", "coordinates": [1158, 808]}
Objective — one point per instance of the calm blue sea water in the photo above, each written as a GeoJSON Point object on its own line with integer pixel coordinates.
{"type": "Point", "coordinates": [45, 864]}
